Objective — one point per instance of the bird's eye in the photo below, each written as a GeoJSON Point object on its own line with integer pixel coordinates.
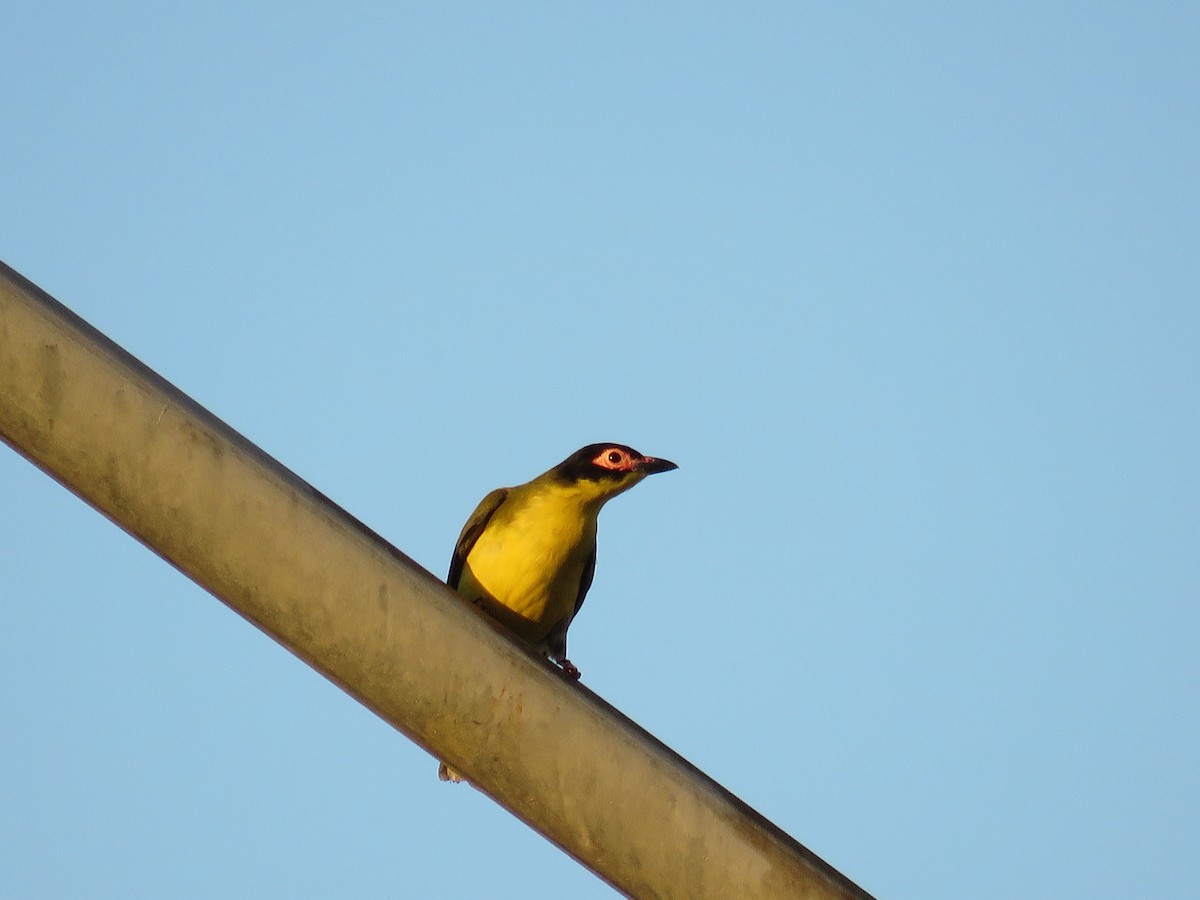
{"type": "Point", "coordinates": [614, 459]}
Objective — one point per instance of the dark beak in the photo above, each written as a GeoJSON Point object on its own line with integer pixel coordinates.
{"type": "Point", "coordinates": [650, 465]}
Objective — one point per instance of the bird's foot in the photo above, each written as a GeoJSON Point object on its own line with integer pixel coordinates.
{"type": "Point", "coordinates": [569, 670]}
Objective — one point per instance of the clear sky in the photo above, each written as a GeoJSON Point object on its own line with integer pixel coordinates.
{"type": "Point", "coordinates": [911, 292]}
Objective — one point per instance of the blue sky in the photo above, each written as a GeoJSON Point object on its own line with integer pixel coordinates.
{"type": "Point", "coordinates": [909, 292]}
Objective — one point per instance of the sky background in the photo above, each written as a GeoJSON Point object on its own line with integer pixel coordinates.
{"type": "Point", "coordinates": [910, 292]}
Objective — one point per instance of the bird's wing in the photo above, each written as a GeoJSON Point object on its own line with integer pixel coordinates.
{"type": "Point", "coordinates": [556, 641]}
{"type": "Point", "coordinates": [589, 572]}
{"type": "Point", "coordinates": [471, 531]}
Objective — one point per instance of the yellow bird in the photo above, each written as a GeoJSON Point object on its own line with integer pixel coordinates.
{"type": "Point", "coordinates": [527, 554]}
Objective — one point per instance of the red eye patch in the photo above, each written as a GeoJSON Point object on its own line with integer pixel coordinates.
{"type": "Point", "coordinates": [614, 458]}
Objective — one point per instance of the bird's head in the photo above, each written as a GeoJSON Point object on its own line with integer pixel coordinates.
{"type": "Point", "coordinates": [601, 471]}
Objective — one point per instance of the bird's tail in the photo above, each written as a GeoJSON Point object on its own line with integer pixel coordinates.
{"type": "Point", "coordinates": [445, 773]}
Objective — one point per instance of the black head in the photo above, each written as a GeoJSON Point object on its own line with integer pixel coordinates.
{"type": "Point", "coordinates": [617, 463]}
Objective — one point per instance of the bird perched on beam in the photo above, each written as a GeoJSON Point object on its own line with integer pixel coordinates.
{"type": "Point", "coordinates": [527, 554]}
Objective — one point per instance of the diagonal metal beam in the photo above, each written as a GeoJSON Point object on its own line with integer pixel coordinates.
{"type": "Point", "coordinates": [371, 620]}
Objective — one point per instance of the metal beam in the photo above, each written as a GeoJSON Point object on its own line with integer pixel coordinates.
{"type": "Point", "coordinates": [374, 622]}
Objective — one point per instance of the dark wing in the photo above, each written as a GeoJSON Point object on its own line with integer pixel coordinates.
{"type": "Point", "coordinates": [589, 572]}
{"type": "Point", "coordinates": [556, 640]}
{"type": "Point", "coordinates": [471, 531]}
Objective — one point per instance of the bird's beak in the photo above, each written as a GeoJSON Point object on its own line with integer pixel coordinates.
{"type": "Point", "coordinates": [650, 465]}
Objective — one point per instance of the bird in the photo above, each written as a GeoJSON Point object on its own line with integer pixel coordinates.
{"type": "Point", "coordinates": [527, 555]}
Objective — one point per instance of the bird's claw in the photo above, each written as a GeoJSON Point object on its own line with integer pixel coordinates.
{"type": "Point", "coordinates": [569, 669]}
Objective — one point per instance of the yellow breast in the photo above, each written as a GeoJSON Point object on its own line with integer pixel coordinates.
{"type": "Point", "coordinates": [526, 566]}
